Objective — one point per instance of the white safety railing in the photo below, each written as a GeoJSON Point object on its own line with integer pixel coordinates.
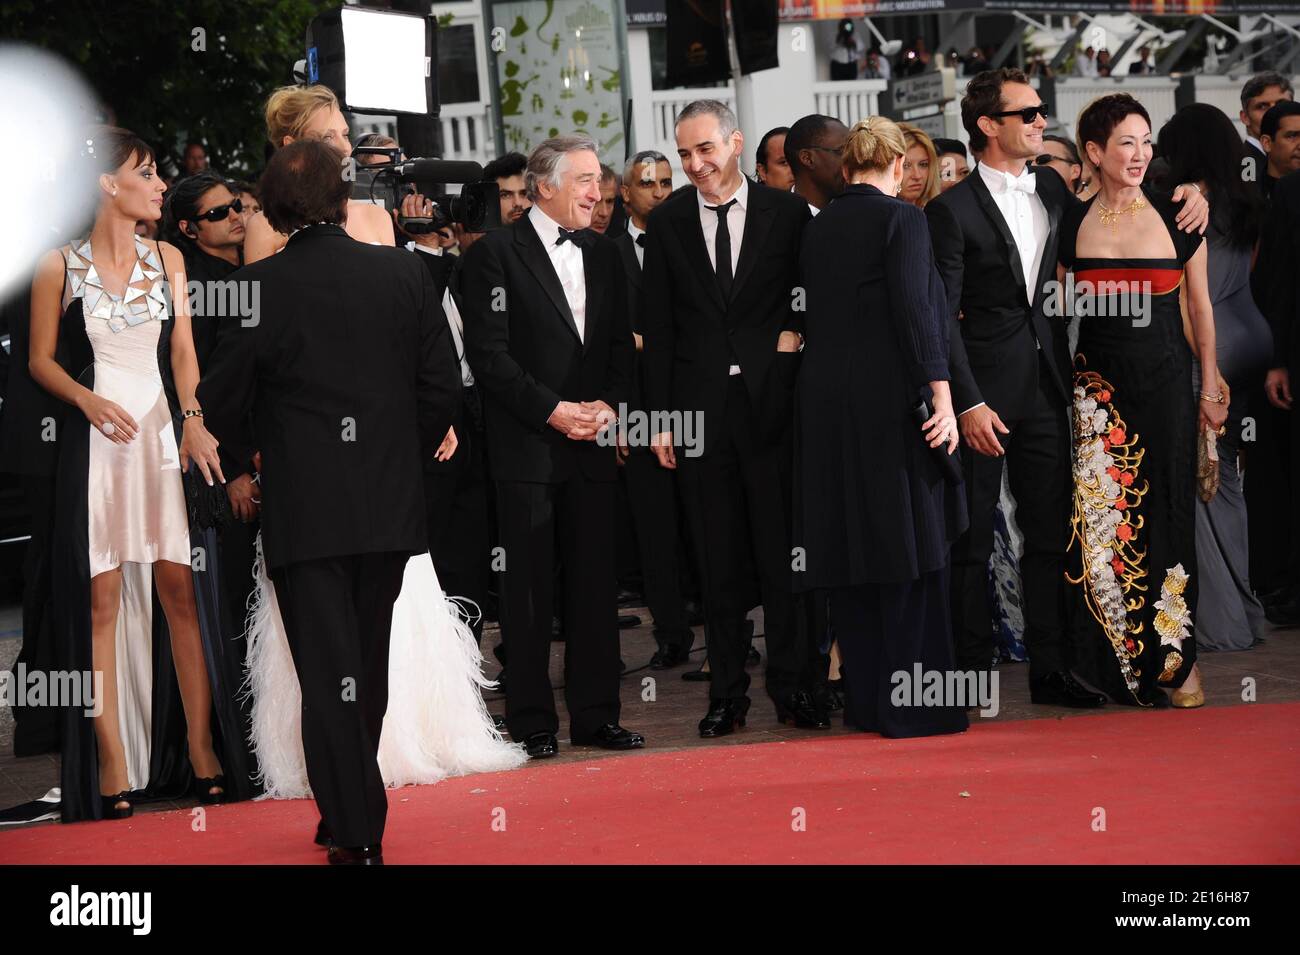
{"type": "Point", "coordinates": [467, 132]}
{"type": "Point", "coordinates": [666, 104]}
{"type": "Point", "coordinates": [848, 100]}
{"type": "Point", "coordinates": [1156, 93]}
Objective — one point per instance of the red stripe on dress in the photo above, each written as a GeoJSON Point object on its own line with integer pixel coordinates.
{"type": "Point", "coordinates": [1163, 281]}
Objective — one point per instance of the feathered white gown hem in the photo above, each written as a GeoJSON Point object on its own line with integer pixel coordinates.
{"type": "Point", "coordinates": [437, 724]}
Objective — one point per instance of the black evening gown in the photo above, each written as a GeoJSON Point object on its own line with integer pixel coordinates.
{"type": "Point", "coordinates": [874, 516]}
{"type": "Point", "coordinates": [1132, 562]}
{"type": "Point", "coordinates": [156, 743]}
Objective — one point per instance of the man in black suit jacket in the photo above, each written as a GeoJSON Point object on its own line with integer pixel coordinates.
{"type": "Point", "coordinates": [547, 335]}
{"type": "Point", "coordinates": [352, 385]}
{"type": "Point", "coordinates": [995, 237]}
{"type": "Point", "coordinates": [647, 182]}
{"type": "Point", "coordinates": [722, 330]}
{"type": "Point", "coordinates": [1280, 245]}
{"type": "Point", "coordinates": [1261, 93]}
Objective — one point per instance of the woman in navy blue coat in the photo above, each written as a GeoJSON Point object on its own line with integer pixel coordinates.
{"type": "Point", "coordinates": [874, 513]}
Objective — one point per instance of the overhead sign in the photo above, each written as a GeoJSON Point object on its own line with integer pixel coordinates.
{"type": "Point", "coordinates": [924, 89]}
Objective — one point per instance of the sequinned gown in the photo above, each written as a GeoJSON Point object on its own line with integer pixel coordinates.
{"type": "Point", "coordinates": [1133, 552]}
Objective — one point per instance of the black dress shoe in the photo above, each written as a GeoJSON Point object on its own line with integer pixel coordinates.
{"type": "Point", "coordinates": [323, 837]}
{"type": "Point", "coordinates": [360, 855]}
{"type": "Point", "coordinates": [628, 621]}
{"type": "Point", "coordinates": [1283, 613]}
{"type": "Point", "coordinates": [723, 718]}
{"type": "Point", "coordinates": [630, 598]}
{"type": "Point", "coordinates": [499, 722]}
{"type": "Point", "coordinates": [698, 676]}
{"type": "Point", "coordinates": [803, 711]}
{"type": "Point", "coordinates": [1062, 689]}
{"type": "Point", "coordinates": [541, 745]}
{"type": "Point", "coordinates": [611, 736]}
{"type": "Point", "coordinates": [829, 698]}
{"type": "Point", "coordinates": [666, 658]}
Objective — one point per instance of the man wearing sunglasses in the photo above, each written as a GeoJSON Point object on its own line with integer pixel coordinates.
{"type": "Point", "coordinates": [1060, 155]}
{"type": "Point", "coordinates": [995, 245]}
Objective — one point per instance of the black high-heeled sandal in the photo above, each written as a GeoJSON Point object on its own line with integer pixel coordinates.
{"type": "Point", "coordinates": [111, 808]}
{"type": "Point", "coordinates": [203, 790]}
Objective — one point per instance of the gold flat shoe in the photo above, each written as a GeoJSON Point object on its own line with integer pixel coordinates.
{"type": "Point", "coordinates": [1188, 701]}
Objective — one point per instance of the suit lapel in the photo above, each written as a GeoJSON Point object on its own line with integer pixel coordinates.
{"type": "Point", "coordinates": [994, 214]}
{"type": "Point", "coordinates": [539, 263]}
{"type": "Point", "coordinates": [595, 281]}
{"type": "Point", "coordinates": [691, 235]}
{"type": "Point", "coordinates": [1047, 267]}
{"type": "Point", "coordinates": [758, 222]}
{"type": "Point", "coordinates": [627, 249]}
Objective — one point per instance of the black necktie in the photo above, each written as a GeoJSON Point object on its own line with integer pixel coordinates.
{"type": "Point", "coordinates": [577, 236]}
{"type": "Point", "coordinates": [722, 248]}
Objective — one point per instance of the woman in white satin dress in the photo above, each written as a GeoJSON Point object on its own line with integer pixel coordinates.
{"type": "Point", "coordinates": [128, 368]}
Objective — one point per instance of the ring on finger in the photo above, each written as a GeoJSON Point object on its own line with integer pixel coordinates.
{"type": "Point", "coordinates": [108, 427]}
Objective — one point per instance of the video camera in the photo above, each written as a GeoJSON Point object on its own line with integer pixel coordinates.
{"type": "Point", "coordinates": [477, 208]}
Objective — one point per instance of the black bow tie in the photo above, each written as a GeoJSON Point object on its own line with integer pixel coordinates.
{"type": "Point", "coordinates": [640, 240]}
{"type": "Point", "coordinates": [579, 237]}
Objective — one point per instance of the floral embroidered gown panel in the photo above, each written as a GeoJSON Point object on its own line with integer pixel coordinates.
{"type": "Point", "coordinates": [1133, 550]}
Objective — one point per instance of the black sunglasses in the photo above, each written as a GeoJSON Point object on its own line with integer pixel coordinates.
{"type": "Point", "coordinates": [1027, 114]}
{"type": "Point", "coordinates": [217, 213]}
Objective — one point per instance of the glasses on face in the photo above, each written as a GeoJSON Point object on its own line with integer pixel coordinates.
{"type": "Point", "coordinates": [217, 213]}
{"type": "Point", "coordinates": [1027, 115]}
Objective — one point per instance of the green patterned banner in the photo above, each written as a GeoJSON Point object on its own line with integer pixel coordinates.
{"type": "Point", "coordinates": [560, 70]}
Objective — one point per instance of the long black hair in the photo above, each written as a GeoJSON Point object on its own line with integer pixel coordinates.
{"type": "Point", "coordinates": [182, 204]}
{"type": "Point", "coordinates": [1200, 144]}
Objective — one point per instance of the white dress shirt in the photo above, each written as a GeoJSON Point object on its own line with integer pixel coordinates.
{"type": "Point", "coordinates": [566, 259]}
{"type": "Point", "coordinates": [735, 230]}
{"type": "Point", "coordinates": [1025, 215]}
{"type": "Point", "coordinates": [454, 320]}
{"type": "Point", "coordinates": [636, 233]}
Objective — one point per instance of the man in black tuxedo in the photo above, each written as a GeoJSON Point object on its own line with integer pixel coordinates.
{"type": "Point", "coordinates": [351, 384]}
{"type": "Point", "coordinates": [647, 182]}
{"type": "Point", "coordinates": [546, 330]}
{"type": "Point", "coordinates": [1261, 93]}
{"type": "Point", "coordinates": [722, 331]}
{"type": "Point", "coordinates": [995, 238]}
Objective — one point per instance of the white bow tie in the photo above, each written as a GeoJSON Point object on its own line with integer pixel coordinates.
{"type": "Point", "coordinates": [1021, 183]}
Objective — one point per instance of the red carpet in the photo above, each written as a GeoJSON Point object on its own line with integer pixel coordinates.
{"type": "Point", "coordinates": [1211, 786]}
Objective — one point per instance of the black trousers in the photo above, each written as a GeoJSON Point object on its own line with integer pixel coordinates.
{"type": "Point", "coordinates": [456, 505]}
{"type": "Point", "coordinates": [571, 520]}
{"type": "Point", "coordinates": [36, 728]}
{"type": "Point", "coordinates": [1270, 496]}
{"type": "Point", "coordinates": [1038, 469]}
{"type": "Point", "coordinates": [338, 613]}
{"type": "Point", "coordinates": [652, 498]}
{"type": "Point", "coordinates": [737, 497]}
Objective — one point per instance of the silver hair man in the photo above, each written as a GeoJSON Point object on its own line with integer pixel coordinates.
{"type": "Point", "coordinates": [549, 159]}
{"type": "Point", "coordinates": [710, 107]}
{"type": "Point", "coordinates": [634, 170]}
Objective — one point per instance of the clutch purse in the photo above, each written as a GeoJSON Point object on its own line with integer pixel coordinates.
{"type": "Point", "coordinates": [208, 505]}
{"type": "Point", "coordinates": [1207, 465]}
{"type": "Point", "coordinates": [949, 464]}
